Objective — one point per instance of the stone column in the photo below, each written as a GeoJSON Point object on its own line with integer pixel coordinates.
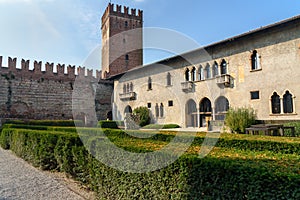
{"type": "Point", "coordinates": [294, 104]}
{"type": "Point", "coordinates": [281, 105]}
{"type": "Point", "coordinates": [213, 113]}
{"type": "Point", "coordinates": [198, 117]}
{"type": "Point", "coordinates": [270, 106]}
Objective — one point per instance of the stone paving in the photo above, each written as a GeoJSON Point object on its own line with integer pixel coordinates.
{"type": "Point", "coordinates": [20, 180]}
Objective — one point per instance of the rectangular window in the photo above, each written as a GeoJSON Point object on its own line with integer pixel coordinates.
{"type": "Point", "coordinates": [149, 105]}
{"type": "Point", "coordinates": [170, 103]}
{"type": "Point", "coordinates": [254, 95]}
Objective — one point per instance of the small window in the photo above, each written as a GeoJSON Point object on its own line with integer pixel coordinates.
{"type": "Point", "coordinates": [207, 71]}
{"type": "Point", "coordinates": [149, 105]}
{"type": "Point", "coordinates": [201, 73]}
{"type": "Point", "coordinates": [254, 95]}
{"type": "Point", "coordinates": [127, 88]}
{"type": "Point", "coordinates": [161, 110]}
{"type": "Point", "coordinates": [215, 69]}
{"type": "Point", "coordinates": [149, 83]}
{"type": "Point", "coordinates": [187, 75]}
{"type": "Point", "coordinates": [193, 74]}
{"type": "Point", "coordinates": [255, 61]}
{"type": "Point", "coordinates": [169, 81]}
{"type": "Point", "coordinates": [275, 102]}
{"type": "Point", "coordinates": [126, 57]}
{"type": "Point", "coordinates": [156, 111]}
{"type": "Point", "coordinates": [223, 67]}
{"type": "Point", "coordinates": [170, 103]}
{"type": "Point", "coordinates": [126, 24]}
{"type": "Point", "coordinates": [124, 89]}
{"type": "Point", "coordinates": [288, 102]}
{"type": "Point", "coordinates": [131, 87]}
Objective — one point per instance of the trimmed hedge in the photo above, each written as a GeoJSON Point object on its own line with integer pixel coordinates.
{"type": "Point", "coordinates": [46, 122]}
{"type": "Point", "coordinates": [161, 126]}
{"type": "Point", "coordinates": [297, 129]}
{"type": "Point", "coordinates": [187, 178]}
{"type": "Point", "coordinates": [108, 124]}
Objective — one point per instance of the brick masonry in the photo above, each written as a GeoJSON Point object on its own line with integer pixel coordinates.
{"type": "Point", "coordinates": [37, 94]}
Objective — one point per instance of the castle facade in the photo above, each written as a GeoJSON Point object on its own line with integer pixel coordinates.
{"type": "Point", "coordinates": [258, 69]}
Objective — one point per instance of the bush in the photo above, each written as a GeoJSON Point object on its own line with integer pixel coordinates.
{"type": "Point", "coordinates": [144, 115]}
{"type": "Point", "coordinates": [46, 122]}
{"type": "Point", "coordinates": [187, 178]}
{"type": "Point", "coordinates": [108, 124]}
{"type": "Point", "coordinates": [161, 126]}
{"type": "Point", "coordinates": [239, 119]}
{"type": "Point", "coordinates": [297, 129]}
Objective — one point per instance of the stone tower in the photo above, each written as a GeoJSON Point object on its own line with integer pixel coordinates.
{"type": "Point", "coordinates": [122, 40]}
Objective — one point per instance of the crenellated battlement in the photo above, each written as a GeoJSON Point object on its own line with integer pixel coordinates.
{"type": "Point", "coordinates": [118, 11]}
{"type": "Point", "coordinates": [48, 73]}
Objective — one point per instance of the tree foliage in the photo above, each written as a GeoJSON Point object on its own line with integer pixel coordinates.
{"type": "Point", "coordinates": [238, 119]}
{"type": "Point", "coordinates": [143, 114]}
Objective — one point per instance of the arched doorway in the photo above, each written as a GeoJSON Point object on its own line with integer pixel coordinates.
{"type": "Point", "coordinates": [109, 115]}
{"type": "Point", "coordinates": [205, 111]}
{"type": "Point", "coordinates": [128, 110]}
{"type": "Point", "coordinates": [221, 108]}
{"type": "Point", "coordinates": [191, 114]}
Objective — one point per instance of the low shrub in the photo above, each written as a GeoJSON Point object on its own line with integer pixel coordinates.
{"type": "Point", "coordinates": [46, 122]}
{"type": "Point", "coordinates": [238, 119]}
{"type": "Point", "coordinates": [288, 132]}
{"type": "Point", "coordinates": [161, 126]}
{"type": "Point", "coordinates": [108, 124]}
{"type": "Point", "coordinates": [187, 178]}
{"type": "Point", "coordinates": [143, 114]}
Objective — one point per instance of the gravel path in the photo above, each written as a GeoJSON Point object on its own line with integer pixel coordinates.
{"type": "Point", "coordinates": [19, 180]}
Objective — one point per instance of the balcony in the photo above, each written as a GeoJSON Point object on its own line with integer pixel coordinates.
{"type": "Point", "coordinates": [224, 79]}
{"type": "Point", "coordinates": [187, 86]}
{"type": "Point", "coordinates": [128, 96]}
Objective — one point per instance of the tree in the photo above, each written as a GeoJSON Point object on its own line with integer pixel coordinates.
{"type": "Point", "coordinates": [143, 115]}
{"type": "Point", "coordinates": [238, 119]}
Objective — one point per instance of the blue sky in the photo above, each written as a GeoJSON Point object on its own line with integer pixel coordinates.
{"type": "Point", "coordinates": [67, 31]}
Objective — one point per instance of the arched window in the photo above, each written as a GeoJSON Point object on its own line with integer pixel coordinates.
{"type": "Point", "coordinates": [124, 89]}
{"type": "Point", "coordinates": [156, 111]}
{"type": "Point", "coordinates": [126, 57]}
{"type": "Point", "coordinates": [127, 88]}
{"type": "Point", "coordinates": [193, 74]}
{"type": "Point", "coordinates": [201, 73]}
{"type": "Point", "coordinates": [169, 81]}
{"type": "Point", "coordinates": [207, 71]}
{"type": "Point", "coordinates": [126, 24]}
{"type": "Point", "coordinates": [255, 63]}
{"type": "Point", "coordinates": [275, 101]}
{"type": "Point", "coordinates": [128, 110]}
{"type": "Point", "coordinates": [187, 75]}
{"type": "Point", "coordinates": [288, 102]}
{"type": "Point", "coordinates": [223, 67]}
{"type": "Point", "coordinates": [161, 110]}
{"type": "Point", "coordinates": [149, 83]}
{"type": "Point", "coordinates": [131, 87]}
{"type": "Point", "coordinates": [215, 69]}
{"type": "Point", "coordinates": [221, 107]}
{"type": "Point", "coordinates": [205, 105]}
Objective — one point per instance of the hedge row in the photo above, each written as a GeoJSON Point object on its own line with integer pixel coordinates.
{"type": "Point", "coordinates": [161, 126]}
{"type": "Point", "coordinates": [187, 178]}
{"type": "Point", "coordinates": [288, 132]}
{"type": "Point", "coordinates": [47, 122]}
{"type": "Point", "coordinates": [108, 124]}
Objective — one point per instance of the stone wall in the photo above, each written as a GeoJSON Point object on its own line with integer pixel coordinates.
{"type": "Point", "coordinates": [37, 94]}
{"type": "Point", "coordinates": [279, 58]}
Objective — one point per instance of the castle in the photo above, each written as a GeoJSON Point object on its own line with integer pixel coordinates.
{"type": "Point", "coordinates": [258, 69]}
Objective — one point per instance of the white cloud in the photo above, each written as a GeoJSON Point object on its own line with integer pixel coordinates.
{"type": "Point", "coordinates": [25, 1]}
